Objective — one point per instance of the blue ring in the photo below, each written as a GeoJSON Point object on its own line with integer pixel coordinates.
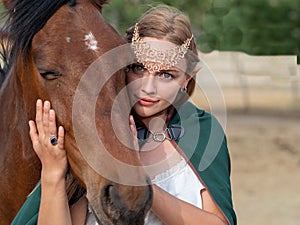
{"type": "Point", "coordinates": [53, 140]}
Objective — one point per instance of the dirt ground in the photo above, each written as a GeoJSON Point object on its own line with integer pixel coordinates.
{"type": "Point", "coordinates": [263, 131]}
{"type": "Point", "coordinates": [264, 145]}
{"type": "Point", "coordinates": [265, 156]}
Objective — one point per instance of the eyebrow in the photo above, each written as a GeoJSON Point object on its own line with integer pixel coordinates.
{"type": "Point", "coordinates": [171, 70]}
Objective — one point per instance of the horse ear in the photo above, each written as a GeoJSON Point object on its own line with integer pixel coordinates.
{"type": "Point", "coordinates": [7, 4]}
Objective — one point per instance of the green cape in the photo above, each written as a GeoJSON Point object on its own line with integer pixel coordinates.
{"type": "Point", "coordinates": [203, 142]}
{"type": "Point", "coordinates": [28, 214]}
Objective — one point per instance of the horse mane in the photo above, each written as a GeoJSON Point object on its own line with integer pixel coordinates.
{"type": "Point", "coordinates": [23, 19]}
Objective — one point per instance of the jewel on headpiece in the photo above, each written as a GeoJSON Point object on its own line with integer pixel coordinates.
{"type": "Point", "coordinates": [153, 59]}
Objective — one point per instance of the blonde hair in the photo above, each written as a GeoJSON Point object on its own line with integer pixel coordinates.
{"type": "Point", "coordinates": [168, 23]}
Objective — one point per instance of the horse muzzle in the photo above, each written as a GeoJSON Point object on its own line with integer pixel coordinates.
{"type": "Point", "coordinates": [122, 205]}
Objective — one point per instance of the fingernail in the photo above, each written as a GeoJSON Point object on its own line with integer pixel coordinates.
{"type": "Point", "coordinates": [29, 122]}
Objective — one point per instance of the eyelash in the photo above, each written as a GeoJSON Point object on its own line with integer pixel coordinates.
{"type": "Point", "coordinates": [170, 76]}
{"type": "Point", "coordinates": [139, 70]}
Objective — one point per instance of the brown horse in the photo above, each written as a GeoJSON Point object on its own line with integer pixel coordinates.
{"type": "Point", "coordinates": [50, 45]}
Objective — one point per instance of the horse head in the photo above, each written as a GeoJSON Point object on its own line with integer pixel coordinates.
{"type": "Point", "coordinates": [51, 46]}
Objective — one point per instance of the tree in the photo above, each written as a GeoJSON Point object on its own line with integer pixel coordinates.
{"type": "Point", "coordinates": [258, 27]}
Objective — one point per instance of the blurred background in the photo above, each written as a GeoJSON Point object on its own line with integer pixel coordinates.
{"type": "Point", "coordinates": [267, 27]}
{"type": "Point", "coordinates": [251, 50]}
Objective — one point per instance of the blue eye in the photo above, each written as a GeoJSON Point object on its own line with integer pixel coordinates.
{"type": "Point", "coordinates": [166, 76]}
{"type": "Point", "coordinates": [136, 68]}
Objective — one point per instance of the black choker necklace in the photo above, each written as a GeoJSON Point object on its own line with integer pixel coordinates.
{"type": "Point", "coordinates": [173, 132]}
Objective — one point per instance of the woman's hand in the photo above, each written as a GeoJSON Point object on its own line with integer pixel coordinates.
{"type": "Point", "coordinates": [54, 201]}
{"type": "Point", "coordinates": [53, 157]}
{"type": "Point", "coordinates": [134, 133]}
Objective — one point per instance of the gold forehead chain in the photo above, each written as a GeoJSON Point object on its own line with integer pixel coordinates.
{"type": "Point", "coordinates": [155, 60]}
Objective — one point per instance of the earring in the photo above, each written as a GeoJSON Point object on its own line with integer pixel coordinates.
{"type": "Point", "coordinates": [183, 90]}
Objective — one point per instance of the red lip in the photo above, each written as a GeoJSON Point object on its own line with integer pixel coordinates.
{"type": "Point", "coordinates": [147, 101]}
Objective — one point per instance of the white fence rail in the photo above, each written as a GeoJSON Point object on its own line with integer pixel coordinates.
{"type": "Point", "coordinates": [237, 69]}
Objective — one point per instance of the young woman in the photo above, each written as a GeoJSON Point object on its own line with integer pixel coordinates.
{"type": "Point", "coordinates": [173, 135]}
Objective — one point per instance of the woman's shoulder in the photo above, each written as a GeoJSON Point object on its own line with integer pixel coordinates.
{"type": "Point", "coordinates": [189, 111]}
{"type": "Point", "coordinates": [202, 132]}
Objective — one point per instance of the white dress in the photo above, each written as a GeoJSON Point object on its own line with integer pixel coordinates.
{"type": "Point", "coordinates": [180, 181]}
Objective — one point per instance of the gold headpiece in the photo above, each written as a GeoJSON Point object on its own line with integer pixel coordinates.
{"type": "Point", "coordinates": [153, 59]}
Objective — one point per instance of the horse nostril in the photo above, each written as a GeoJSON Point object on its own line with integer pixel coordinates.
{"type": "Point", "coordinates": [111, 202]}
{"type": "Point", "coordinates": [119, 204]}
{"type": "Point", "coordinates": [107, 191]}
{"type": "Point", "coordinates": [106, 196]}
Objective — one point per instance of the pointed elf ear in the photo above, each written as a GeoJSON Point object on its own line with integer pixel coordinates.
{"type": "Point", "coordinates": [195, 70]}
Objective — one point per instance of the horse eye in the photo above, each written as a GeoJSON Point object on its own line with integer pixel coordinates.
{"type": "Point", "coordinates": [50, 75]}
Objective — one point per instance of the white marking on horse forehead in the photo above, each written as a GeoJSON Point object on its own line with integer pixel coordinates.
{"type": "Point", "coordinates": [91, 42]}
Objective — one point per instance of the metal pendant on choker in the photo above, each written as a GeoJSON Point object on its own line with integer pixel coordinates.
{"type": "Point", "coordinates": [160, 136]}
{"type": "Point", "coordinates": [173, 132]}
